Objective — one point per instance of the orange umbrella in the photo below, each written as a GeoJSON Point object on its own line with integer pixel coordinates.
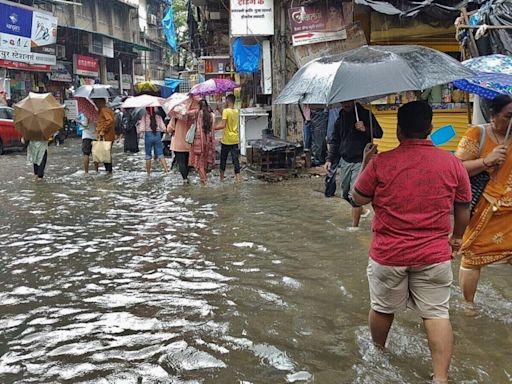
{"type": "Point", "coordinates": [38, 116]}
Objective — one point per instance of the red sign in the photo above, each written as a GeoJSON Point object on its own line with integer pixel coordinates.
{"type": "Point", "coordinates": [25, 67]}
{"type": "Point", "coordinates": [86, 65]}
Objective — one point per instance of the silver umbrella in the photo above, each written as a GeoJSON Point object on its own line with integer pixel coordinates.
{"type": "Point", "coordinates": [370, 71]}
{"type": "Point", "coordinates": [96, 91]}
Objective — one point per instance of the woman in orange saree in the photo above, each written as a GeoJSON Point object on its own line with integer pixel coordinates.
{"type": "Point", "coordinates": [488, 237]}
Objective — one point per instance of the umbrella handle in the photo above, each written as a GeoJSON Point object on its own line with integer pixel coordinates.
{"type": "Point", "coordinates": [371, 124]}
{"type": "Point", "coordinates": [355, 109]}
{"type": "Point", "coordinates": [508, 131]}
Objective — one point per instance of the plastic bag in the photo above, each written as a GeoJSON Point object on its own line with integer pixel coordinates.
{"type": "Point", "coordinates": [246, 57]}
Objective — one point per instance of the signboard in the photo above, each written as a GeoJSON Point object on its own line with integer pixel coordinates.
{"type": "Point", "coordinates": [24, 66]}
{"type": "Point", "coordinates": [355, 38]}
{"type": "Point", "coordinates": [320, 23]}
{"type": "Point", "coordinates": [252, 17]}
{"type": "Point", "coordinates": [71, 109]}
{"type": "Point", "coordinates": [86, 65]}
{"type": "Point", "coordinates": [61, 72]}
{"type": "Point", "coordinates": [27, 35]}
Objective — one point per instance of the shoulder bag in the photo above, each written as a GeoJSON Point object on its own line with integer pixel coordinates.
{"type": "Point", "coordinates": [191, 133]}
{"type": "Point", "coordinates": [480, 180]}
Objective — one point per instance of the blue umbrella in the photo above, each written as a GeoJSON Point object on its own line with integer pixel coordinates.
{"type": "Point", "coordinates": [494, 76]}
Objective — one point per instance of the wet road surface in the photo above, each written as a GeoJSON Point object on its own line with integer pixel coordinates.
{"type": "Point", "coordinates": [129, 279]}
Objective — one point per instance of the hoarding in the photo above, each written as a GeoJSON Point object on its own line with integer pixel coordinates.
{"type": "Point", "coordinates": [320, 23]}
{"type": "Point", "coordinates": [252, 17]}
{"type": "Point", "coordinates": [27, 36]}
{"type": "Point", "coordinates": [85, 66]}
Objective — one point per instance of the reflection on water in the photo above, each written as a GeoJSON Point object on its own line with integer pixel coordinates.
{"type": "Point", "coordinates": [126, 279]}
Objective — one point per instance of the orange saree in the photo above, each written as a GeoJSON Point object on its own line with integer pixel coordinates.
{"type": "Point", "coordinates": [488, 237]}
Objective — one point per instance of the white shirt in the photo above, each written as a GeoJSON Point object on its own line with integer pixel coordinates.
{"type": "Point", "coordinates": [90, 132]}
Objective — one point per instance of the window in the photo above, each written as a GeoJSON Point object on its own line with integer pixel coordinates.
{"type": "Point", "coordinates": [6, 113]}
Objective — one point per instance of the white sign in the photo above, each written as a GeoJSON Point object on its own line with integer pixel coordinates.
{"type": "Point", "coordinates": [44, 29]}
{"type": "Point", "coordinates": [13, 43]}
{"type": "Point", "coordinates": [252, 17]}
{"type": "Point", "coordinates": [71, 109]}
{"type": "Point", "coordinates": [317, 37]}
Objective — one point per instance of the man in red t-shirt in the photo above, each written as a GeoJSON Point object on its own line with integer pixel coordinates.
{"type": "Point", "coordinates": [413, 190]}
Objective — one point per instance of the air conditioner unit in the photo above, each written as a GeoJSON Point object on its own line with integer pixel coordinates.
{"type": "Point", "coordinates": [152, 19]}
{"type": "Point", "coordinates": [60, 51]}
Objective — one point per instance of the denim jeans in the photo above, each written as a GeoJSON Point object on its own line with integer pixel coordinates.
{"type": "Point", "coordinates": [153, 141]}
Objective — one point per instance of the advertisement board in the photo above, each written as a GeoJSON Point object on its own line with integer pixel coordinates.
{"type": "Point", "coordinates": [27, 36]}
{"type": "Point", "coordinates": [85, 66]}
{"type": "Point", "coordinates": [61, 72]}
{"type": "Point", "coordinates": [252, 17]}
{"type": "Point", "coordinates": [320, 23]}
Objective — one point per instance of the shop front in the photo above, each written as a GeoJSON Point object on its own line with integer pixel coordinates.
{"type": "Point", "coordinates": [27, 48]}
{"type": "Point", "coordinates": [451, 106]}
{"type": "Point", "coordinates": [86, 69]}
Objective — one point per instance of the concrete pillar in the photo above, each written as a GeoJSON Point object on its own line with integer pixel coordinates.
{"type": "Point", "coordinates": [103, 70]}
{"type": "Point", "coordinates": [120, 76]}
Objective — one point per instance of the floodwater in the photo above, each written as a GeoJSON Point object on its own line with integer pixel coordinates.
{"type": "Point", "coordinates": [129, 279]}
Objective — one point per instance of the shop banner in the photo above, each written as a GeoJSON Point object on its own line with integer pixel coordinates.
{"type": "Point", "coordinates": [61, 72]}
{"type": "Point", "coordinates": [85, 65]}
{"type": "Point", "coordinates": [252, 17]}
{"type": "Point", "coordinates": [320, 23]}
{"type": "Point", "coordinates": [24, 66]}
{"type": "Point", "coordinates": [27, 35]}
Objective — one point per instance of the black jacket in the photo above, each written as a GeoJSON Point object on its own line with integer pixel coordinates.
{"type": "Point", "coordinates": [347, 142]}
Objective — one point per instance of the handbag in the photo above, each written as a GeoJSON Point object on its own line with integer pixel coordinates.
{"type": "Point", "coordinates": [191, 134]}
{"type": "Point", "coordinates": [102, 151]}
{"type": "Point", "coordinates": [480, 180]}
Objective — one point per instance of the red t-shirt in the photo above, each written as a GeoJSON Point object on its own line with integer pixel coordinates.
{"type": "Point", "coordinates": [413, 189]}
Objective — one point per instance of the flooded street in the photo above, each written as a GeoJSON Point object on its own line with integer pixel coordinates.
{"type": "Point", "coordinates": [129, 279]}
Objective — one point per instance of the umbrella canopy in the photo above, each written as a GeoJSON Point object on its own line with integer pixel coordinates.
{"type": "Point", "coordinates": [185, 108]}
{"type": "Point", "coordinates": [88, 108]}
{"type": "Point", "coordinates": [173, 101]}
{"type": "Point", "coordinates": [213, 86]}
{"type": "Point", "coordinates": [143, 101]}
{"type": "Point", "coordinates": [370, 71]}
{"type": "Point", "coordinates": [38, 116]}
{"type": "Point", "coordinates": [146, 86]}
{"type": "Point", "coordinates": [494, 76]}
{"type": "Point", "coordinates": [95, 91]}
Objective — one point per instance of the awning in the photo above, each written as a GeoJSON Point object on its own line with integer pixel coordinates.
{"type": "Point", "coordinates": [434, 8]}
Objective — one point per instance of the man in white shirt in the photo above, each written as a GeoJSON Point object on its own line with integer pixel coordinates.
{"type": "Point", "coordinates": [88, 136]}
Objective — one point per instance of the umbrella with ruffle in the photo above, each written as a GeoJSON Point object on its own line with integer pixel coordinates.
{"type": "Point", "coordinates": [213, 87]}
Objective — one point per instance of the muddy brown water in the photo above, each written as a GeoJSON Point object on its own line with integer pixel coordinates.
{"type": "Point", "coordinates": [126, 279]}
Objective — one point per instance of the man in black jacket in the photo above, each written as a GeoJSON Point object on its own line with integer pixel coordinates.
{"type": "Point", "coordinates": [351, 134]}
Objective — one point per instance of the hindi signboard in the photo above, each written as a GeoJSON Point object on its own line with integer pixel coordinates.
{"type": "Point", "coordinates": [355, 38]}
{"type": "Point", "coordinates": [27, 35]}
{"type": "Point", "coordinates": [252, 17]}
{"type": "Point", "coordinates": [85, 65]}
{"type": "Point", "coordinates": [319, 23]}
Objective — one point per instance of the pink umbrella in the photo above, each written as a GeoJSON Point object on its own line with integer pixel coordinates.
{"type": "Point", "coordinates": [184, 109]}
{"type": "Point", "coordinates": [143, 101]}
{"type": "Point", "coordinates": [88, 108]}
{"type": "Point", "coordinates": [174, 100]}
{"type": "Point", "coordinates": [213, 86]}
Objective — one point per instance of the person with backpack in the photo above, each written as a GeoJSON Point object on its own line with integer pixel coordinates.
{"type": "Point", "coordinates": [151, 125]}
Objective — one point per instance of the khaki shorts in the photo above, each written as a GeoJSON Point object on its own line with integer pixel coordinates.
{"type": "Point", "coordinates": [424, 289]}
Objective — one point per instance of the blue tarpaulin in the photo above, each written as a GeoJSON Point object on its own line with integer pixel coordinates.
{"type": "Point", "coordinates": [169, 28]}
{"type": "Point", "coordinates": [246, 57]}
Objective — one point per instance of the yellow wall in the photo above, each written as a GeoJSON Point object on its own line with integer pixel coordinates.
{"type": "Point", "coordinates": [387, 120]}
